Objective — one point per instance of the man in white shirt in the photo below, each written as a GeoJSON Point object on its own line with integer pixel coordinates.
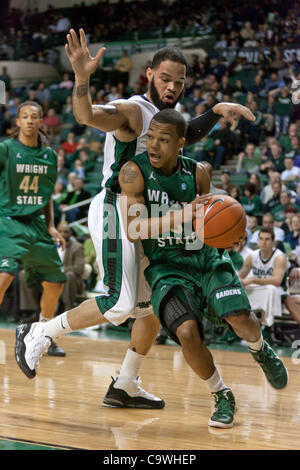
{"type": "Point", "coordinates": [291, 172]}
{"type": "Point", "coordinates": [268, 283]}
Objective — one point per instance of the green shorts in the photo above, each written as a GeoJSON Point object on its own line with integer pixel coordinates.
{"type": "Point", "coordinates": [28, 240]}
{"type": "Point", "coordinates": [208, 276]}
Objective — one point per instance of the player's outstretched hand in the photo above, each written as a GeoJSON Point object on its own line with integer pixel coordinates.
{"type": "Point", "coordinates": [233, 111]}
{"type": "Point", "coordinates": [84, 65]}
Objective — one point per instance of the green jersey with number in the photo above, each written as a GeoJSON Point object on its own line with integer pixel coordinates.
{"type": "Point", "coordinates": [27, 178]}
{"type": "Point", "coordinates": [163, 193]}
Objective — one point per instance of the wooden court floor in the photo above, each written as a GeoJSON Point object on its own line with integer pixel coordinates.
{"type": "Point", "coordinates": [62, 406]}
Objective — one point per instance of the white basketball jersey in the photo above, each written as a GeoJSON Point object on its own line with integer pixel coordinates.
{"type": "Point", "coordinates": [264, 268]}
{"type": "Point", "coordinates": [117, 153]}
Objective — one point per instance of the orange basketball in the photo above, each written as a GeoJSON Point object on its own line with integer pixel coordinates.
{"type": "Point", "coordinates": [224, 221]}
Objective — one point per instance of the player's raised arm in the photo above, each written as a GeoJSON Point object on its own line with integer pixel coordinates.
{"type": "Point", "coordinates": [200, 126]}
{"type": "Point", "coordinates": [106, 118]}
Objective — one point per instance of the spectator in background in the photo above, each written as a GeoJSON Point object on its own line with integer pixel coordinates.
{"type": "Point", "coordinates": [269, 221]}
{"type": "Point", "coordinates": [274, 159]}
{"type": "Point", "coordinates": [42, 94]}
{"type": "Point", "coordinates": [252, 228]}
{"type": "Point", "coordinates": [297, 196]}
{"type": "Point", "coordinates": [79, 194]}
{"type": "Point", "coordinates": [63, 24]}
{"type": "Point", "coordinates": [291, 172]}
{"type": "Point", "coordinates": [289, 212]}
{"type": "Point", "coordinates": [223, 139]}
{"type": "Point", "coordinates": [122, 69]}
{"type": "Point", "coordinates": [275, 199]}
{"type": "Point", "coordinates": [66, 82]}
{"type": "Point", "coordinates": [283, 105]}
{"type": "Point", "coordinates": [295, 150]}
{"type": "Point", "coordinates": [74, 263]}
{"type": "Point", "coordinates": [292, 237]}
{"type": "Point", "coordinates": [52, 123]}
{"type": "Point", "coordinates": [225, 180]}
{"type": "Point", "coordinates": [234, 191]}
{"type": "Point", "coordinates": [62, 171]}
{"type": "Point", "coordinates": [113, 94]}
{"type": "Point", "coordinates": [255, 179]}
{"type": "Point", "coordinates": [6, 78]}
{"type": "Point", "coordinates": [279, 210]}
{"type": "Point", "coordinates": [251, 202]}
{"type": "Point", "coordinates": [249, 161]}
{"type": "Point", "coordinates": [70, 145]}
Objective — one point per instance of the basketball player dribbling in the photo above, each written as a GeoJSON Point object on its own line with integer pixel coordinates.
{"type": "Point", "coordinates": [126, 123]}
{"type": "Point", "coordinates": [188, 283]}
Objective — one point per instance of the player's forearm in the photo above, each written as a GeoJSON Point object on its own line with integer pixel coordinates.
{"type": "Point", "coordinates": [82, 104]}
{"type": "Point", "coordinates": [274, 281]}
{"type": "Point", "coordinates": [144, 228]}
{"type": "Point", "coordinates": [49, 213]}
{"type": "Point", "coordinates": [200, 126]}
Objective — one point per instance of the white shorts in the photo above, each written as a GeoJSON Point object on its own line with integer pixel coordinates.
{"type": "Point", "coordinates": [266, 298]}
{"type": "Point", "coordinates": [121, 263]}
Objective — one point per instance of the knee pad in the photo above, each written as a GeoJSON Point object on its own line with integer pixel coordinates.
{"type": "Point", "coordinates": [176, 311]}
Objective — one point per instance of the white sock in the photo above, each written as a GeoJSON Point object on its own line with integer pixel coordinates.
{"type": "Point", "coordinates": [58, 326]}
{"type": "Point", "coordinates": [215, 382]}
{"type": "Point", "coordinates": [257, 345]}
{"type": "Point", "coordinates": [43, 318]}
{"type": "Point", "coordinates": [130, 368]}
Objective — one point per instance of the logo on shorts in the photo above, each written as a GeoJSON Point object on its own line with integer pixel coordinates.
{"type": "Point", "coordinates": [226, 293]}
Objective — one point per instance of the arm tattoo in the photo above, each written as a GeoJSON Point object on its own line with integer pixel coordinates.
{"type": "Point", "coordinates": [82, 90]}
{"type": "Point", "coordinates": [109, 108]}
{"type": "Point", "coordinates": [129, 175]}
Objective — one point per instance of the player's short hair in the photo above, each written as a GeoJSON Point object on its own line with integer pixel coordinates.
{"type": "Point", "coordinates": [168, 53]}
{"type": "Point", "coordinates": [170, 116]}
{"type": "Point", "coordinates": [267, 230]}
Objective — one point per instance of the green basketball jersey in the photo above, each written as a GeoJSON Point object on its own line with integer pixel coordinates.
{"type": "Point", "coordinates": [162, 193]}
{"type": "Point", "coordinates": [27, 178]}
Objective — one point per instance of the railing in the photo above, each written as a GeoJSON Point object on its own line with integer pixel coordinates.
{"type": "Point", "coordinates": [74, 206]}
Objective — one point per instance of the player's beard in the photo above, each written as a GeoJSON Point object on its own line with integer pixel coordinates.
{"type": "Point", "coordinates": [156, 99]}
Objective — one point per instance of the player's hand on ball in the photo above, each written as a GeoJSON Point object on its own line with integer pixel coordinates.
{"type": "Point", "coordinates": [195, 209]}
{"type": "Point", "coordinates": [84, 65]}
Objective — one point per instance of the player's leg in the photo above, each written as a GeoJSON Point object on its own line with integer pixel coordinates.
{"type": "Point", "coordinates": [5, 281]}
{"type": "Point", "coordinates": [292, 303]}
{"type": "Point", "coordinates": [228, 301]}
{"type": "Point", "coordinates": [48, 305]}
{"type": "Point", "coordinates": [49, 299]}
{"type": "Point", "coordinates": [119, 266]}
{"type": "Point", "coordinates": [181, 319]}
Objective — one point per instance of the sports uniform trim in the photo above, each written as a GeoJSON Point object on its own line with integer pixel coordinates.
{"type": "Point", "coordinates": [112, 255]}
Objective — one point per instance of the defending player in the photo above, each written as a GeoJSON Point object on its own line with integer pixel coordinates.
{"type": "Point", "coordinates": [27, 177]}
{"type": "Point", "coordinates": [126, 123]}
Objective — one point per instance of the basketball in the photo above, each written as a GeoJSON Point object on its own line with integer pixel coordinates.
{"type": "Point", "coordinates": [224, 221]}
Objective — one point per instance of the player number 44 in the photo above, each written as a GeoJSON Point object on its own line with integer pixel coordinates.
{"type": "Point", "coordinates": [26, 185]}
